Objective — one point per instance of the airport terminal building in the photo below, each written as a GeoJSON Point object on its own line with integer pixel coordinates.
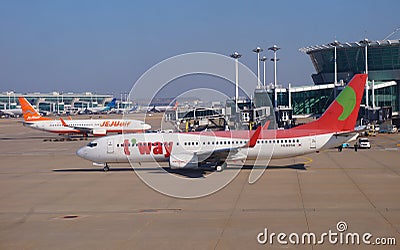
{"type": "Point", "coordinates": [55, 102]}
{"type": "Point", "coordinates": [383, 67]}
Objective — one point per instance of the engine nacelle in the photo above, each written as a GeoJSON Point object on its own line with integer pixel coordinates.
{"type": "Point", "coordinates": [187, 160]}
{"type": "Point", "coordinates": [99, 132]}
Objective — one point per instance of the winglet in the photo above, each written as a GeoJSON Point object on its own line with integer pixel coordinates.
{"type": "Point", "coordinates": [266, 125]}
{"type": "Point", "coordinates": [63, 122]}
{"type": "Point", "coordinates": [253, 139]}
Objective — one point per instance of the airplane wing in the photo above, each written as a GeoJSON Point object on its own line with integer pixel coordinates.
{"type": "Point", "coordinates": [232, 153]}
{"type": "Point", "coordinates": [191, 159]}
{"type": "Point", "coordinates": [83, 130]}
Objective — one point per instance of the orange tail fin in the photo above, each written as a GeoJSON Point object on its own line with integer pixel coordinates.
{"type": "Point", "coordinates": [30, 114]}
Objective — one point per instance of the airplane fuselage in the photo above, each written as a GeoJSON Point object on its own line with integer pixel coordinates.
{"type": "Point", "coordinates": [158, 147]}
{"type": "Point", "coordinates": [99, 127]}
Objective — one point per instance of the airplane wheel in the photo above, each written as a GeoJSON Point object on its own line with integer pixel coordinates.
{"type": "Point", "coordinates": [219, 168]}
{"type": "Point", "coordinates": [106, 168]}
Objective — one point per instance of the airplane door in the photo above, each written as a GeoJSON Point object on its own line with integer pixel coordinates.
{"type": "Point", "coordinates": [313, 142]}
{"type": "Point", "coordinates": [110, 146]}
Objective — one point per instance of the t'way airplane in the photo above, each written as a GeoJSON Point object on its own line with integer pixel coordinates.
{"type": "Point", "coordinates": [196, 149]}
{"type": "Point", "coordinates": [96, 127]}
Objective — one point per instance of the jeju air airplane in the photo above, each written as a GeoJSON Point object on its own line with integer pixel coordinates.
{"type": "Point", "coordinates": [96, 127]}
{"type": "Point", "coordinates": [197, 149]}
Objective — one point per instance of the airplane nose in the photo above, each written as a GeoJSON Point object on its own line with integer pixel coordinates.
{"type": "Point", "coordinates": [81, 152]}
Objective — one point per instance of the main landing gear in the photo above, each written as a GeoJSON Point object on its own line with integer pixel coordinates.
{"type": "Point", "coordinates": [220, 166]}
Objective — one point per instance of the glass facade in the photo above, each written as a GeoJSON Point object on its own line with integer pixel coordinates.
{"type": "Point", "coordinates": [315, 100]}
{"type": "Point", "coordinates": [383, 61]}
{"type": "Point", "coordinates": [385, 97]}
{"type": "Point", "coordinates": [312, 101]}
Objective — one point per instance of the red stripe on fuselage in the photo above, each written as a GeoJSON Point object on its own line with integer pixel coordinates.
{"type": "Point", "coordinates": [79, 132]}
{"type": "Point", "coordinates": [265, 134]}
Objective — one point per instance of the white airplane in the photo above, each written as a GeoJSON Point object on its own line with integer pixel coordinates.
{"type": "Point", "coordinates": [11, 112]}
{"type": "Point", "coordinates": [196, 149]}
{"type": "Point", "coordinates": [96, 127]}
{"type": "Point", "coordinates": [163, 108]}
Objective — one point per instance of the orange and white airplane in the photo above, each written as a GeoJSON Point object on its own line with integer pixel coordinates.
{"type": "Point", "coordinates": [96, 127]}
{"type": "Point", "coordinates": [197, 149]}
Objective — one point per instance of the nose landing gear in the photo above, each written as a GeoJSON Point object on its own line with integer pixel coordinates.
{"type": "Point", "coordinates": [106, 167]}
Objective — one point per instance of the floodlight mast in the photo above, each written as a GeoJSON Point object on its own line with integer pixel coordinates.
{"type": "Point", "coordinates": [263, 59]}
{"type": "Point", "coordinates": [258, 50]}
{"type": "Point", "coordinates": [275, 49]}
{"type": "Point", "coordinates": [236, 56]}
{"type": "Point", "coordinates": [335, 44]}
{"type": "Point", "coordinates": [366, 42]}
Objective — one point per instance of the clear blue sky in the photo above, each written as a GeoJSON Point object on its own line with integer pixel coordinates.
{"type": "Point", "coordinates": [104, 46]}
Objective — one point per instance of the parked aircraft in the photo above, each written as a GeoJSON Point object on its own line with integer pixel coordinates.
{"type": "Point", "coordinates": [96, 127]}
{"type": "Point", "coordinates": [11, 112]}
{"type": "Point", "coordinates": [99, 110]}
{"type": "Point", "coordinates": [162, 108]}
{"type": "Point", "coordinates": [196, 149]}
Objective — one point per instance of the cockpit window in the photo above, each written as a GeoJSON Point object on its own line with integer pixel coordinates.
{"type": "Point", "coordinates": [92, 144]}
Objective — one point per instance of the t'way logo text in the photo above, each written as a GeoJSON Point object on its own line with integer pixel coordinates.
{"type": "Point", "coordinates": [145, 148]}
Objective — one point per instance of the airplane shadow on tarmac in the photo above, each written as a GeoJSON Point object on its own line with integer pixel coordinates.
{"type": "Point", "coordinates": [188, 173]}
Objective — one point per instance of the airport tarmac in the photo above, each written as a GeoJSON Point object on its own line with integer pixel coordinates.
{"type": "Point", "coordinates": [52, 199]}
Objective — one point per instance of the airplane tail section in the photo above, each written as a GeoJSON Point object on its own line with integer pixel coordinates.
{"type": "Point", "coordinates": [29, 113]}
{"type": "Point", "coordinates": [342, 114]}
{"type": "Point", "coordinates": [112, 103]}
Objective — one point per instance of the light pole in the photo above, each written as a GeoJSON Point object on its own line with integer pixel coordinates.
{"type": "Point", "coordinates": [236, 56]}
{"type": "Point", "coordinates": [335, 44]}
{"type": "Point", "coordinates": [366, 42]}
{"type": "Point", "coordinates": [9, 99]}
{"type": "Point", "coordinates": [258, 50]}
{"type": "Point", "coordinates": [275, 49]}
{"type": "Point", "coordinates": [263, 59]}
